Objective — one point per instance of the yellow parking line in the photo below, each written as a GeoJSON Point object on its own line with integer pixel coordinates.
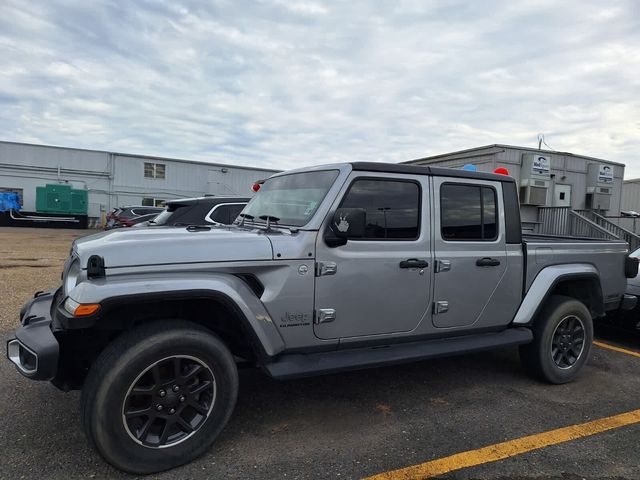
{"type": "Point", "coordinates": [616, 349]}
{"type": "Point", "coordinates": [500, 451]}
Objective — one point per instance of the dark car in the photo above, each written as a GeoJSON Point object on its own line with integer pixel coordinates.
{"type": "Point", "coordinates": [125, 216]}
{"type": "Point", "coordinates": [199, 211]}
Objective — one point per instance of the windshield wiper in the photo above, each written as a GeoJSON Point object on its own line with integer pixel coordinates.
{"type": "Point", "coordinates": [269, 219]}
{"type": "Point", "coordinates": [245, 216]}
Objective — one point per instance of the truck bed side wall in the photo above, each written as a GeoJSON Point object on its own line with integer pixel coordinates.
{"type": "Point", "coordinates": [607, 257]}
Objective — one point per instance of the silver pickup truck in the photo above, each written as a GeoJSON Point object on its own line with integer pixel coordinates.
{"type": "Point", "coordinates": [327, 269]}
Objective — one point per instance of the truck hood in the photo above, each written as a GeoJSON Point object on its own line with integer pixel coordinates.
{"type": "Point", "coordinates": [170, 245]}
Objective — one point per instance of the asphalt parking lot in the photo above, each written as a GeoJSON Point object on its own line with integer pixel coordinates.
{"type": "Point", "coordinates": [349, 425]}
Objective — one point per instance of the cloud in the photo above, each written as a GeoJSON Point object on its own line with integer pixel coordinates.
{"type": "Point", "coordinates": [285, 84]}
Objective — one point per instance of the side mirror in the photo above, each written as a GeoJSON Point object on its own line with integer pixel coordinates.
{"type": "Point", "coordinates": [346, 223]}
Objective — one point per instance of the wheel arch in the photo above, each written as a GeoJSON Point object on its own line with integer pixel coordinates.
{"type": "Point", "coordinates": [212, 309]}
{"type": "Point", "coordinates": [226, 304]}
{"type": "Point", "coordinates": [579, 281]}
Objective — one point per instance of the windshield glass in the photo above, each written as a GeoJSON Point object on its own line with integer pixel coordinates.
{"type": "Point", "coordinates": [293, 199]}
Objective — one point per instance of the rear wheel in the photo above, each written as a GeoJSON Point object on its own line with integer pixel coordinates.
{"type": "Point", "coordinates": [562, 337]}
{"type": "Point", "coordinates": [158, 396]}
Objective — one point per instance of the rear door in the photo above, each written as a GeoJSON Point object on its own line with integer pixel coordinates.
{"type": "Point", "coordinates": [470, 248]}
{"type": "Point", "coordinates": [379, 284]}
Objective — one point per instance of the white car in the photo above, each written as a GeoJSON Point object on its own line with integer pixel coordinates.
{"type": "Point", "coordinates": [633, 288]}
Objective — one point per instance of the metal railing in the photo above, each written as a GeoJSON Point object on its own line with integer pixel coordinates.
{"type": "Point", "coordinates": [566, 222]}
{"type": "Point", "coordinates": [629, 223]}
{"type": "Point", "coordinates": [622, 233]}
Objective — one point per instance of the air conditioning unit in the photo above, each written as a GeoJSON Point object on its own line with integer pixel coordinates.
{"type": "Point", "coordinates": [598, 201]}
{"type": "Point", "coordinates": [535, 179]}
{"type": "Point", "coordinates": [599, 186]}
{"type": "Point", "coordinates": [600, 190]}
{"type": "Point", "coordinates": [532, 195]}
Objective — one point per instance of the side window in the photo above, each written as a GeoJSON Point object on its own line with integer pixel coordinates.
{"type": "Point", "coordinates": [468, 213]}
{"type": "Point", "coordinates": [234, 211]}
{"type": "Point", "coordinates": [392, 208]}
{"type": "Point", "coordinates": [220, 214]}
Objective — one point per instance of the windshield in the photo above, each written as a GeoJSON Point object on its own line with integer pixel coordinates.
{"type": "Point", "coordinates": [293, 199]}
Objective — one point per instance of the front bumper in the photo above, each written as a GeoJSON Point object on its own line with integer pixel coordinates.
{"type": "Point", "coordinates": [33, 348]}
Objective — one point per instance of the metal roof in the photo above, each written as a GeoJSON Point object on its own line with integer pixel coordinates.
{"type": "Point", "coordinates": [513, 147]}
{"type": "Point", "coordinates": [133, 155]}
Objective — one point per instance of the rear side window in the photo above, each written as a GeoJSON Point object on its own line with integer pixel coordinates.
{"type": "Point", "coordinates": [225, 213]}
{"type": "Point", "coordinates": [468, 213]}
{"type": "Point", "coordinates": [234, 211]}
{"type": "Point", "coordinates": [392, 208]}
{"type": "Point", "coordinates": [220, 214]}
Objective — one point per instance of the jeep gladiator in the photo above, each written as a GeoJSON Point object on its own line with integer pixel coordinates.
{"type": "Point", "coordinates": [328, 268]}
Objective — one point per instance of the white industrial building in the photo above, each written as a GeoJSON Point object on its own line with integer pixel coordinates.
{"type": "Point", "coordinates": [117, 179]}
{"type": "Point", "coordinates": [546, 178]}
{"type": "Point", "coordinates": [631, 195]}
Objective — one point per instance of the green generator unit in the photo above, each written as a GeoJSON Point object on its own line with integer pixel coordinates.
{"type": "Point", "coordinates": [60, 198]}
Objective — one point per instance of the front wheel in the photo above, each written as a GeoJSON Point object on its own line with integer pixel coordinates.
{"type": "Point", "coordinates": [562, 337]}
{"type": "Point", "coordinates": [158, 396]}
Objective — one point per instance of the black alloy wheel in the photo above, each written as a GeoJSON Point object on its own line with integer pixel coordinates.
{"type": "Point", "coordinates": [568, 342]}
{"type": "Point", "coordinates": [169, 401]}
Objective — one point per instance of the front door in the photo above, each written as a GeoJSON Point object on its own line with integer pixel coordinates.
{"type": "Point", "coordinates": [367, 287]}
{"type": "Point", "coordinates": [471, 257]}
{"type": "Point", "coordinates": [562, 195]}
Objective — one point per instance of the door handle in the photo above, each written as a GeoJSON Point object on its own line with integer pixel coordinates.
{"type": "Point", "coordinates": [487, 262]}
{"type": "Point", "coordinates": [414, 263]}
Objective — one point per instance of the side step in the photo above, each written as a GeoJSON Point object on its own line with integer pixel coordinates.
{"type": "Point", "coordinates": [299, 365]}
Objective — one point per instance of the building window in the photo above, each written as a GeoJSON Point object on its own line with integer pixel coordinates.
{"type": "Point", "coordinates": [468, 213]}
{"type": "Point", "coordinates": [154, 170]}
{"type": "Point", "coordinates": [153, 202]}
{"type": "Point", "coordinates": [392, 208]}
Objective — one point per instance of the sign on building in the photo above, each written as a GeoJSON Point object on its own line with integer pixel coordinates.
{"type": "Point", "coordinates": [541, 165]}
{"type": "Point", "coordinates": [605, 174]}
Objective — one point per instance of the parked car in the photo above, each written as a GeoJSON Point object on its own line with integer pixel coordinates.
{"type": "Point", "coordinates": [330, 268]}
{"type": "Point", "coordinates": [631, 318]}
{"type": "Point", "coordinates": [124, 216]}
{"type": "Point", "coordinates": [199, 211]}
{"type": "Point", "coordinates": [630, 213]}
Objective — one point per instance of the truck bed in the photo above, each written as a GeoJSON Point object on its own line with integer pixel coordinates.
{"type": "Point", "coordinates": [608, 256]}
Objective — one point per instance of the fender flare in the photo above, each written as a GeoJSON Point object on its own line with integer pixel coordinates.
{"type": "Point", "coordinates": [546, 281]}
{"type": "Point", "coordinates": [226, 288]}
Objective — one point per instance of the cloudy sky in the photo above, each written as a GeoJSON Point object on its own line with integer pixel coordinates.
{"type": "Point", "coordinates": [287, 83]}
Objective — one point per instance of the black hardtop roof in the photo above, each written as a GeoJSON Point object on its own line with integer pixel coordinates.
{"type": "Point", "coordinates": [428, 170]}
{"type": "Point", "coordinates": [211, 200]}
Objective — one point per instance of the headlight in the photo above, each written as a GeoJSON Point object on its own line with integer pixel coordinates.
{"type": "Point", "coordinates": [72, 276]}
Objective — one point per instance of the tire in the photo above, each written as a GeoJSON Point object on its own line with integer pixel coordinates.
{"type": "Point", "coordinates": [142, 360]}
{"type": "Point", "coordinates": [552, 356]}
